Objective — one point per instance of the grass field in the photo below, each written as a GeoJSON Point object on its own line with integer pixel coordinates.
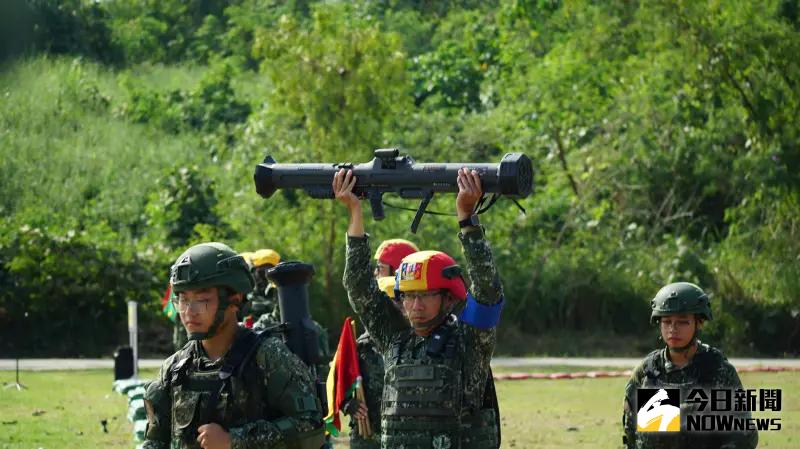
{"type": "Point", "coordinates": [63, 409]}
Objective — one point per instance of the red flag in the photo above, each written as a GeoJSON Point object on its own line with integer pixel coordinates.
{"type": "Point", "coordinates": [167, 306]}
{"type": "Point", "coordinates": [342, 376]}
{"type": "Point", "coordinates": [167, 294]}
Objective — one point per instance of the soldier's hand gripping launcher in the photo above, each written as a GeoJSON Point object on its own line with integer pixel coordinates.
{"type": "Point", "coordinates": [389, 172]}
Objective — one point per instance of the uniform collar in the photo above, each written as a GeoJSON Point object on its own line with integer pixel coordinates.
{"type": "Point", "coordinates": [203, 361]}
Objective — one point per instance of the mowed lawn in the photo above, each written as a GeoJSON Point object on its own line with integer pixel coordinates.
{"type": "Point", "coordinates": [64, 409]}
{"type": "Point", "coordinates": [587, 413]}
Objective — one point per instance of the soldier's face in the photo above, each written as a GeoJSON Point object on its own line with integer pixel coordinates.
{"type": "Point", "coordinates": [382, 270]}
{"type": "Point", "coordinates": [678, 330]}
{"type": "Point", "coordinates": [197, 308]}
{"type": "Point", "coordinates": [421, 306]}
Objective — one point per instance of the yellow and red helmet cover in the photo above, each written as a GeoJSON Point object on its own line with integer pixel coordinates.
{"type": "Point", "coordinates": [386, 284]}
{"type": "Point", "coordinates": [265, 256]}
{"type": "Point", "coordinates": [424, 270]}
{"type": "Point", "coordinates": [392, 251]}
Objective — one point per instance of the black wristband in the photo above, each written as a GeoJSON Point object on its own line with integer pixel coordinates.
{"type": "Point", "coordinates": [472, 220]}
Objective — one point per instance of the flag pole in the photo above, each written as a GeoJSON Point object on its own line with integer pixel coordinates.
{"type": "Point", "coordinates": [364, 428]}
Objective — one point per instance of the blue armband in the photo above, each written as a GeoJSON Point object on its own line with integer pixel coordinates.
{"type": "Point", "coordinates": [480, 315]}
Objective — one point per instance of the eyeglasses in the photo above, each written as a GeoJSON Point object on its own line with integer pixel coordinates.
{"type": "Point", "coordinates": [198, 306]}
{"type": "Point", "coordinates": [423, 296]}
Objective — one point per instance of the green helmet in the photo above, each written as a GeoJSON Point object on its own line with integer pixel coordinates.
{"type": "Point", "coordinates": [680, 297]}
{"type": "Point", "coordinates": [211, 265]}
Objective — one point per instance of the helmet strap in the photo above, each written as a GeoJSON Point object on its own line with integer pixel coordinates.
{"type": "Point", "coordinates": [223, 301]}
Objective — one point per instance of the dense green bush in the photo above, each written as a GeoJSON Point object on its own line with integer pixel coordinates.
{"type": "Point", "coordinates": [452, 74]}
{"type": "Point", "coordinates": [66, 288]}
{"type": "Point", "coordinates": [185, 198]}
{"type": "Point", "coordinates": [75, 243]}
{"type": "Point", "coordinates": [163, 30]}
{"type": "Point", "coordinates": [211, 105]}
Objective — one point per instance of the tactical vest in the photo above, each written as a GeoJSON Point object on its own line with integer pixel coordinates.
{"type": "Point", "coordinates": [701, 369]}
{"type": "Point", "coordinates": [200, 396]}
{"type": "Point", "coordinates": [700, 373]}
{"type": "Point", "coordinates": [422, 405]}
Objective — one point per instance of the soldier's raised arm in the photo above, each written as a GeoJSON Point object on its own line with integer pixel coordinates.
{"type": "Point", "coordinates": [484, 302]}
{"type": "Point", "coordinates": [485, 287]}
{"type": "Point", "coordinates": [378, 315]}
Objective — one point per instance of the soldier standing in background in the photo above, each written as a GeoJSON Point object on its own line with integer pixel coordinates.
{"type": "Point", "coordinates": [262, 299]}
{"type": "Point", "coordinates": [266, 312]}
{"type": "Point", "coordinates": [387, 259]}
{"type": "Point", "coordinates": [680, 310]}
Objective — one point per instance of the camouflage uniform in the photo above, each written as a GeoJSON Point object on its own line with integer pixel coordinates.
{"type": "Point", "coordinates": [370, 363]}
{"type": "Point", "coordinates": [262, 304]}
{"type": "Point", "coordinates": [269, 403]}
{"type": "Point", "coordinates": [269, 318]}
{"type": "Point", "coordinates": [431, 399]}
{"type": "Point", "coordinates": [707, 369]}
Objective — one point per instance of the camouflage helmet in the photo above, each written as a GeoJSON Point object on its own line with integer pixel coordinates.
{"type": "Point", "coordinates": [211, 265]}
{"type": "Point", "coordinates": [680, 297]}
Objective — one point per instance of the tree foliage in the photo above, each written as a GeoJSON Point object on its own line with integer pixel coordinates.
{"type": "Point", "coordinates": [664, 136]}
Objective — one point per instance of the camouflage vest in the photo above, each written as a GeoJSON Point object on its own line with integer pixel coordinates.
{"type": "Point", "coordinates": [423, 397]}
{"type": "Point", "coordinates": [200, 396]}
{"type": "Point", "coordinates": [699, 373]}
